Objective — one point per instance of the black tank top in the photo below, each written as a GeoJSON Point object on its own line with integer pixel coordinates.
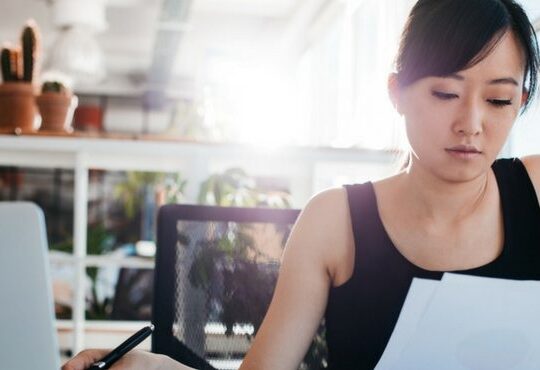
{"type": "Point", "coordinates": [361, 313]}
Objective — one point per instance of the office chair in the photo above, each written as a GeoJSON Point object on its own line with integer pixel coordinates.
{"type": "Point", "coordinates": [216, 268]}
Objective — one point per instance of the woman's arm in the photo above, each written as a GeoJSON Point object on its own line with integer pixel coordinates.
{"type": "Point", "coordinates": [316, 248]}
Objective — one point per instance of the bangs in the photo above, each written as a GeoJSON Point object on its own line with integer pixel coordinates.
{"type": "Point", "coordinates": [452, 36]}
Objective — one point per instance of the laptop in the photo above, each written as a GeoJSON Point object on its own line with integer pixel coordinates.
{"type": "Point", "coordinates": [28, 339]}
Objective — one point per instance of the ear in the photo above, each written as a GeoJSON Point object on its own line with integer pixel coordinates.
{"type": "Point", "coordinates": [524, 97]}
{"type": "Point", "coordinates": [394, 91]}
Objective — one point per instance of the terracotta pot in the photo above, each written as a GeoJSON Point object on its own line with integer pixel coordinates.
{"type": "Point", "coordinates": [17, 106]}
{"type": "Point", "coordinates": [88, 118]}
{"type": "Point", "coordinates": [56, 111]}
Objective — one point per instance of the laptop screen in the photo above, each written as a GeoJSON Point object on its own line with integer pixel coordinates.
{"type": "Point", "coordinates": [28, 339]}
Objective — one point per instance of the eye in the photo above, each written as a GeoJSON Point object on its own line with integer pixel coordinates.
{"type": "Point", "coordinates": [443, 96]}
{"type": "Point", "coordinates": [500, 103]}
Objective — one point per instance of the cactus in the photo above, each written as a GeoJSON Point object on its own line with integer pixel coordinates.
{"type": "Point", "coordinates": [16, 63]}
{"type": "Point", "coordinates": [31, 44]}
{"type": "Point", "coordinates": [20, 65]}
{"type": "Point", "coordinates": [11, 63]}
{"type": "Point", "coordinates": [54, 86]}
{"type": "Point", "coordinates": [5, 60]}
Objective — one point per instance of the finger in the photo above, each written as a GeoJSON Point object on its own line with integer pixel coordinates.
{"type": "Point", "coordinates": [84, 359]}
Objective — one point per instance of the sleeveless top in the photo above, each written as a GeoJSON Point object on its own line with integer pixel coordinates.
{"type": "Point", "coordinates": [361, 313]}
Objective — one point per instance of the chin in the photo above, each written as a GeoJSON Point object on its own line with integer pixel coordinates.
{"type": "Point", "coordinates": [461, 173]}
{"type": "Point", "coordinates": [450, 169]}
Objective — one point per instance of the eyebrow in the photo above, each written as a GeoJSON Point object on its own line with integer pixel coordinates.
{"type": "Point", "coordinates": [497, 81]}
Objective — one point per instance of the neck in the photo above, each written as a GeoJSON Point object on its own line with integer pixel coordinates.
{"type": "Point", "coordinates": [435, 200]}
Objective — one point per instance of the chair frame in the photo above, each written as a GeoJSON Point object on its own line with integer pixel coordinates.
{"type": "Point", "coordinates": [163, 340]}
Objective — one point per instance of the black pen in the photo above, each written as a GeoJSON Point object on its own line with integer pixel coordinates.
{"type": "Point", "coordinates": [122, 349]}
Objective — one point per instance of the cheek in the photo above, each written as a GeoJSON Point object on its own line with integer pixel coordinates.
{"type": "Point", "coordinates": [426, 123]}
{"type": "Point", "coordinates": [498, 125]}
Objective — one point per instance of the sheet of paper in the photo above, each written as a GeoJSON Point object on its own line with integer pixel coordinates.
{"type": "Point", "coordinates": [418, 298]}
{"type": "Point", "coordinates": [475, 323]}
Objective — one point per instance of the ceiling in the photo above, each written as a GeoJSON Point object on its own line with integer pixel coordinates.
{"type": "Point", "coordinates": [215, 28]}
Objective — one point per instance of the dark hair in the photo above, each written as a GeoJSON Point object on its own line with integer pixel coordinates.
{"type": "Point", "coordinates": [442, 37]}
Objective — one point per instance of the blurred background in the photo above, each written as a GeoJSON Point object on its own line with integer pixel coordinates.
{"type": "Point", "coordinates": [221, 102]}
{"type": "Point", "coordinates": [270, 72]}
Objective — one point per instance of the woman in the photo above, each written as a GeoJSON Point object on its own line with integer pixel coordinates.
{"type": "Point", "coordinates": [465, 70]}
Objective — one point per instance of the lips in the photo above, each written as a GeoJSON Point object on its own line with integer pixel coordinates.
{"type": "Point", "coordinates": [464, 152]}
{"type": "Point", "coordinates": [468, 149]}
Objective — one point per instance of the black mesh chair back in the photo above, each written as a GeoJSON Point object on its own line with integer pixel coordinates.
{"type": "Point", "coordinates": [216, 269]}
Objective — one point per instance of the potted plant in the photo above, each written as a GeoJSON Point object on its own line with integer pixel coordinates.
{"type": "Point", "coordinates": [18, 65]}
{"type": "Point", "coordinates": [234, 187]}
{"type": "Point", "coordinates": [56, 104]}
{"type": "Point", "coordinates": [142, 193]}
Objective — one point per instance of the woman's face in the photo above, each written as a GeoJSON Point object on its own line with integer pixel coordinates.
{"type": "Point", "coordinates": [457, 125]}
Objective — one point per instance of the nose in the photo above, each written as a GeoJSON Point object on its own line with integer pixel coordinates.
{"type": "Point", "coordinates": [470, 120]}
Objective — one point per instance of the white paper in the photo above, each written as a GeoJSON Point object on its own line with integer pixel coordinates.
{"type": "Point", "coordinates": [472, 323]}
{"type": "Point", "coordinates": [420, 294]}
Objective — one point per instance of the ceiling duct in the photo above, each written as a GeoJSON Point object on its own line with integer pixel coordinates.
{"type": "Point", "coordinates": [170, 29]}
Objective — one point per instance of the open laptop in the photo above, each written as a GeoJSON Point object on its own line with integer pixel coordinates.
{"type": "Point", "coordinates": [28, 338]}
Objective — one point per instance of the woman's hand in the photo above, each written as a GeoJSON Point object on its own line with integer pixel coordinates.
{"type": "Point", "coordinates": [134, 360]}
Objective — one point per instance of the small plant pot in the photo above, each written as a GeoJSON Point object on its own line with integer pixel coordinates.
{"type": "Point", "coordinates": [88, 118]}
{"type": "Point", "coordinates": [17, 107]}
{"type": "Point", "coordinates": [56, 111]}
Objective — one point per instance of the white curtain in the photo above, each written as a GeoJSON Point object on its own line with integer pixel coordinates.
{"type": "Point", "coordinates": [343, 75]}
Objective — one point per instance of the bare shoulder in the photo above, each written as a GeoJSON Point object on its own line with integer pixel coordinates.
{"type": "Point", "coordinates": [324, 226]}
{"type": "Point", "coordinates": [333, 201]}
{"type": "Point", "coordinates": [532, 164]}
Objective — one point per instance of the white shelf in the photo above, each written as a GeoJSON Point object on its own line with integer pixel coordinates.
{"type": "Point", "coordinates": [105, 261]}
{"type": "Point", "coordinates": [121, 153]}
{"type": "Point", "coordinates": [131, 262]}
